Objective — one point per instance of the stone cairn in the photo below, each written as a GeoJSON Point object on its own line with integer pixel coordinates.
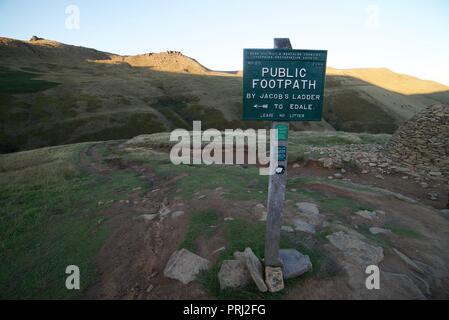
{"type": "Point", "coordinates": [422, 143]}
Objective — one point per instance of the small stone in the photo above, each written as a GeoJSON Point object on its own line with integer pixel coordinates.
{"type": "Point", "coordinates": [164, 211]}
{"type": "Point", "coordinates": [405, 177]}
{"type": "Point", "coordinates": [293, 190]}
{"type": "Point", "coordinates": [435, 173]}
{"type": "Point", "coordinates": [148, 217]}
{"type": "Point", "coordinates": [254, 267]}
{"type": "Point", "coordinates": [302, 226]}
{"type": "Point", "coordinates": [330, 177]}
{"type": "Point", "coordinates": [177, 214]}
{"type": "Point", "coordinates": [202, 197]}
{"type": "Point", "coordinates": [338, 175]}
{"type": "Point", "coordinates": [343, 170]}
{"type": "Point", "coordinates": [376, 230]}
{"type": "Point", "coordinates": [296, 165]}
{"type": "Point", "coordinates": [220, 249]}
{"type": "Point", "coordinates": [287, 229]}
{"type": "Point", "coordinates": [378, 176]}
{"type": "Point", "coordinates": [294, 263]}
{"type": "Point", "coordinates": [327, 163]}
{"type": "Point", "coordinates": [150, 288]}
{"type": "Point", "coordinates": [365, 171]}
{"type": "Point", "coordinates": [308, 208]}
{"type": "Point", "coordinates": [424, 185]}
{"type": "Point", "coordinates": [371, 164]}
{"type": "Point", "coordinates": [229, 219]}
{"type": "Point", "coordinates": [434, 196]}
{"type": "Point", "coordinates": [274, 279]}
{"type": "Point", "coordinates": [184, 266]}
{"type": "Point", "coordinates": [370, 215]}
{"type": "Point", "coordinates": [233, 274]}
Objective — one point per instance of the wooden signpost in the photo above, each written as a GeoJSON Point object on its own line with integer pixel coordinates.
{"type": "Point", "coordinates": [281, 85]}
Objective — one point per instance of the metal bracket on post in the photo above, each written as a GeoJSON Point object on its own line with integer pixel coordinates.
{"type": "Point", "coordinates": [276, 187]}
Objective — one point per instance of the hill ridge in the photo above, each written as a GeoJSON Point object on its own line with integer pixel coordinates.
{"type": "Point", "coordinates": [52, 93]}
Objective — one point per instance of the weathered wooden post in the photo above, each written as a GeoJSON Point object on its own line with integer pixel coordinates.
{"type": "Point", "coordinates": [281, 85]}
{"type": "Point", "coordinates": [276, 185]}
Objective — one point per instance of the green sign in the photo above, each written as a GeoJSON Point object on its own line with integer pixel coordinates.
{"type": "Point", "coordinates": [282, 130]}
{"type": "Point", "coordinates": [283, 84]}
{"type": "Point", "coordinates": [282, 153]}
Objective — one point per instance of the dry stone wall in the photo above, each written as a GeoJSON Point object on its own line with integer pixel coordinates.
{"type": "Point", "coordinates": [422, 143]}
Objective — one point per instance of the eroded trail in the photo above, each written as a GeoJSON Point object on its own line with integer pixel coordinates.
{"type": "Point", "coordinates": [131, 261]}
{"type": "Point", "coordinates": [412, 254]}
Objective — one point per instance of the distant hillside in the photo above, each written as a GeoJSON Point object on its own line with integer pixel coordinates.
{"type": "Point", "coordinates": [53, 93]}
{"type": "Point", "coordinates": [377, 100]}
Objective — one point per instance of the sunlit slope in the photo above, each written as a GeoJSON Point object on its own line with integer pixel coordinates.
{"type": "Point", "coordinates": [377, 99]}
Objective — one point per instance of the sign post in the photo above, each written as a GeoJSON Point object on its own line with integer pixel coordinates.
{"type": "Point", "coordinates": [281, 85]}
{"type": "Point", "coordinates": [276, 185]}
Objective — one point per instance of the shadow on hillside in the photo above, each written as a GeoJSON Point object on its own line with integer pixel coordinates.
{"type": "Point", "coordinates": [186, 97]}
{"type": "Point", "coordinates": [347, 107]}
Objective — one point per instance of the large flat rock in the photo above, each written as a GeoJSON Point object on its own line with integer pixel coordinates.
{"type": "Point", "coordinates": [294, 263]}
{"type": "Point", "coordinates": [184, 266]}
{"type": "Point", "coordinates": [356, 249]}
{"type": "Point", "coordinates": [308, 208]}
{"type": "Point", "coordinates": [302, 226]}
{"type": "Point", "coordinates": [233, 274]}
{"type": "Point", "coordinates": [254, 266]}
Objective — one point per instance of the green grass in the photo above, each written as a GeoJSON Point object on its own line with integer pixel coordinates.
{"type": "Point", "coordinates": [14, 82]}
{"type": "Point", "coordinates": [404, 231]}
{"type": "Point", "coordinates": [200, 223]}
{"type": "Point", "coordinates": [326, 203]}
{"type": "Point", "coordinates": [349, 111]}
{"type": "Point", "coordinates": [182, 110]}
{"type": "Point", "coordinates": [378, 239]}
{"type": "Point", "coordinates": [50, 217]}
{"type": "Point", "coordinates": [239, 183]}
{"type": "Point", "coordinates": [240, 234]}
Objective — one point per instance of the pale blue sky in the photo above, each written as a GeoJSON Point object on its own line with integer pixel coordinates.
{"type": "Point", "coordinates": [407, 36]}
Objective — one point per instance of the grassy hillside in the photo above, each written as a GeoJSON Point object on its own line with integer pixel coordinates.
{"type": "Point", "coordinates": [52, 93]}
{"type": "Point", "coordinates": [55, 205]}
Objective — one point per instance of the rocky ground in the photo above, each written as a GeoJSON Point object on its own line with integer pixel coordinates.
{"type": "Point", "coordinates": [351, 207]}
{"type": "Point", "coordinates": [153, 230]}
{"type": "Point", "coordinates": [373, 161]}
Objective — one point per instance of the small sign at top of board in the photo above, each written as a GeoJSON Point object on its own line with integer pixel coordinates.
{"type": "Point", "coordinates": [283, 84]}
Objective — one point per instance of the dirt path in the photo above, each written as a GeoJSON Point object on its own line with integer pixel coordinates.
{"type": "Point", "coordinates": [132, 260]}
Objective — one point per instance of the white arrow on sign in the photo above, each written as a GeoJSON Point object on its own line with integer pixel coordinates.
{"type": "Point", "coordinates": [264, 106]}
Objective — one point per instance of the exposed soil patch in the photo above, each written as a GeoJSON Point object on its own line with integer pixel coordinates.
{"type": "Point", "coordinates": [393, 182]}
{"type": "Point", "coordinates": [132, 261]}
